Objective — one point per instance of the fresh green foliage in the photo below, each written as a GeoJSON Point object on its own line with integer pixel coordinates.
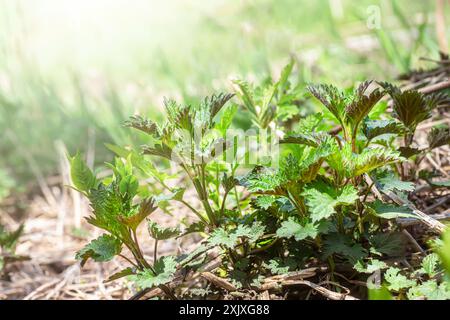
{"type": "Point", "coordinates": [8, 243]}
{"type": "Point", "coordinates": [101, 249]}
{"type": "Point", "coordinates": [317, 206]}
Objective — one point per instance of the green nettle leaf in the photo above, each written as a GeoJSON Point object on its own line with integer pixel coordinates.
{"type": "Point", "coordinates": [8, 240]}
{"type": "Point", "coordinates": [244, 93]}
{"type": "Point", "coordinates": [142, 124]}
{"type": "Point", "coordinates": [397, 281]}
{"type": "Point", "coordinates": [371, 159]}
{"type": "Point", "coordinates": [371, 266]}
{"type": "Point", "coordinates": [387, 181]}
{"type": "Point", "coordinates": [331, 97]}
{"type": "Point", "coordinates": [429, 265]}
{"type": "Point", "coordinates": [412, 107]}
{"type": "Point", "coordinates": [337, 243]}
{"type": "Point", "coordinates": [160, 233]}
{"type": "Point", "coordinates": [228, 182]}
{"type": "Point", "coordinates": [438, 137]}
{"type": "Point", "coordinates": [226, 119]}
{"type": "Point", "coordinates": [408, 152]}
{"type": "Point", "coordinates": [277, 266]}
{"type": "Point", "coordinates": [429, 290]}
{"type": "Point", "coordinates": [389, 211]}
{"type": "Point", "coordinates": [361, 104]}
{"type": "Point", "coordinates": [215, 103]}
{"type": "Point", "coordinates": [309, 124]}
{"type": "Point", "coordinates": [293, 228]}
{"type": "Point", "coordinates": [252, 233]}
{"type": "Point", "coordinates": [375, 128]}
{"type": "Point", "coordinates": [82, 177]}
{"type": "Point", "coordinates": [164, 268]}
{"type": "Point", "coordinates": [264, 202]}
{"type": "Point", "coordinates": [220, 237]}
{"type": "Point", "coordinates": [261, 180]}
{"type": "Point", "coordinates": [322, 199]}
{"type": "Point", "coordinates": [159, 150]}
{"type": "Point", "coordinates": [178, 115]}
{"type": "Point", "coordinates": [391, 244]}
{"type": "Point", "coordinates": [107, 206]}
{"type": "Point", "coordinates": [283, 82]}
{"type": "Point", "coordinates": [145, 209]}
{"type": "Point", "coordinates": [102, 249]}
{"type": "Point", "coordinates": [228, 239]}
{"type": "Point", "coordinates": [310, 139]}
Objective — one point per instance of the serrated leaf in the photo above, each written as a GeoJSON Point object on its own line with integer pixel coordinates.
{"type": "Point", "coordinates": [216, 102]}
{"type": "Point", "coordinates": [261, 179]}
{"type": "Point", "coordinates": [229, 238]}
{"type": "Point", "coordinates": [389, 211]}
{"type": "Point", "coordinates": [322, 199]}
{"type": "Point", "coordinates": [244, 92]}
{"type": "Point", "coordinates": [8, 240]}
{"type": "Point", "coordinates": [429, 290]}
{"type": "Point", "coordinates": [142, 124]}
{"type": "Point", "coordinates": [310, 123]}
{"type": "Point", "coordinates": [164, 268]}
{"type": "Point", "coordinates": [408, 152]}
{"type": "Point", "coordinates": [438, 137]}
{"type": "Point", "coordinates": [160, 233]}
{"type": "Point", "coordinates": [361, 103]}
{"type": "Point", "coordinates": [371, 159]}
{"type": "Point", "coordinates": [277, 266]}
{"type": "Point", "coordinates": [293, 228]}
{"type": "Point", "coordinates": [391, 244]}
{"type": "Point", "coordinates": [102, 249]}
{"type": "Point", "coordinates": [299, 138]}
{"type": "Point", "coordinates": [411, 107]}
{"type": "Point", "coordinates": [161, 150]}
{"type": "Point", "coordinates": [370, 267]}
{"type": "Point", "coordinates": [221, 237]}
{"type": "Point", "coordinates": [397, 281]}
{"type": "Point", "coordinates": [264, 202]}
{"type": "Point", "coordinates": [341, 244]}
{"type": "Point", "coordinates": [429, 264]}
{"type": "Point", "coordinates": [145, 209]}
{"type": "Point", "coordinates": [228, 182]}
{"type": "Point", "coordinates": [253, 232]}
{"type": "Point", "coordinates": [82, 177]}
{"type": "Point", "coordinates": [330, 96]}
{"type": "Point", "coordinates": [387, 181]}
{"type": "Point", "coordinates": [375, 128]}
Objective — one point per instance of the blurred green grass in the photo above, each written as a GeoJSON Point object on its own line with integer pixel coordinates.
{"type": "Point", "coordinates": [73, 71]}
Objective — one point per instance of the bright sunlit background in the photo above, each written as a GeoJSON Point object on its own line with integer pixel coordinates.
{"type": "Point", "coordinates": [72, 71]}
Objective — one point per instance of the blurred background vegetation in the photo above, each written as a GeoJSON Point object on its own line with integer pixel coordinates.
{"type": "Point", "coordinates": [72, 71]}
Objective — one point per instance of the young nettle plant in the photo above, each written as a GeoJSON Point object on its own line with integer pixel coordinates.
{"type": "Point", "coordinates": [319, 195]}
{"type": "Point", "coordinates": [8, 243]}
{"type": "Point", "coordinates": [430, 280]}
{"type": "Point", "coordinates": [115, 211]}
{"type": "Point", "coordinates": [272, 103]}
{"type": "Point", "coordinates": [189, 141]}
{"type": "Point", "coordinates": [410, 108]}
{"type": "Point", "coordinates": [317, 206]}
{"type": "Point", "coordinates": [193, 138]}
